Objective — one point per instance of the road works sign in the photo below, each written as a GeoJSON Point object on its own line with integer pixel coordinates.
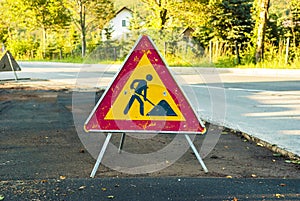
{"type": "Point", "coordinates": [8, 63]}
{"type": "Point", "coordinates": [144, 97]}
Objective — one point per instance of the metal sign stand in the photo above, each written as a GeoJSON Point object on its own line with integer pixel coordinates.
{"type": "Point", "coordinates": [101, 154]}
{"type": "Point", "coordinates": [187, 137]}
{"type": "Point", "coordinates": [144, 57]}
{"type": "Point", "coordinates": [105, 144]}
{"type": "Point", "coordinates": [121, 142]}
{"type": "Point", "coordinates": [11, 65]}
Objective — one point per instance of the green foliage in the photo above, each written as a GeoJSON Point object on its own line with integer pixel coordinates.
{"type": "Point", "coordinates": [292, 25]}
{"type": "Point", "coordinates": [62, 29]}
{"type": "Point", "coordinates": [50, 14]}
{"type": "Point", "coordinates": [49, 26]}
{"type": "Point", "coordinates": [22, 46]}
{"type": "Point", "coordinates": [231, 20]}
{"type": "Point", "coordinates": [89, 15]}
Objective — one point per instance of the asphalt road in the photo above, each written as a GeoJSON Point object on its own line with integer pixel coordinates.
{"type": "Point", "coordinates": [149, 189]}
{"type": "Point", "coordinates": [264, 106]}
{"type": "Point", "coordinates": [262, 103]}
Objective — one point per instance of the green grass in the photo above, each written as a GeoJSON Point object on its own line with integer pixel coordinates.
{"type": "Point", "coordinates": [65, 60]}
{"type": "Point", "coordinates": [275, 64]}
{"type": "Point", "coordinates": [224, 62]}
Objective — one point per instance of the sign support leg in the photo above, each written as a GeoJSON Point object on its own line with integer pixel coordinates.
{"type": "Point", "coordinates": [121, 143]}
{"type": "Point", "coordinates": [196, 153]}
{"type": "Point", "coordinates": [12, 68]}
{"type": "Point", "coordinates": [101, 154]}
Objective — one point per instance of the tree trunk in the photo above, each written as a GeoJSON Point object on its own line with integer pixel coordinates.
{"type": "Point", "coordinates": [263, 6]}
{"type": "Point", "coordinates": [287, 50]}
{"type": "Point", "coordinates": [44, 42]}
{"type": "Point", "coordinates": [83, 29]}
{"type": "Point", "coordinates": [83, 43]}
{"type": "Point", "coordinates": [162, 14]}
{"type": "Point", "coordinates": [163, 17]}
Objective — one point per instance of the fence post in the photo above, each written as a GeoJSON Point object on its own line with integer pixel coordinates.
{"type": "Point", "coordinates": [115, 54]}
{"type": "Point", "coordinates": [237, 53]}
{"type": "Point", "coordinates": [210, 51]}
{"type": "Point", "coordinates": [216, 54]}
{"type": "Point", "coordinates": [287, 50]}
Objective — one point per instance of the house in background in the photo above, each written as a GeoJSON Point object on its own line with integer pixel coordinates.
{"type": "Point", "coordinates": [118, 27]}
{"type": "Point", "coordinates": [187, 34]}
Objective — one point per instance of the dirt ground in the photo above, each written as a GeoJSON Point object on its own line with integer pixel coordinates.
{"type": "Point", "coordinates": [39, 141]}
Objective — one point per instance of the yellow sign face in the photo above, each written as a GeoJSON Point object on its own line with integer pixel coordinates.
{"type": "Point", "coordinates": [144, 97]}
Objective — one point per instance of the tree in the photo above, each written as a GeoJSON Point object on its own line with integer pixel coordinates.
{"type": "Point", "coordinates": [13, 27]}
{"type": "Point", "coordinates": [48, 15]}
{"type": "Point", "coordinates": [162, 14]}
{"type": "Point", "coordinates": [192, 14]}
{"type": "Point", "coordinates": [159, 13]}
{"type": "Point", "coordinates": [230, 20]}
{"type": "Point", "coordinates": [262, 7]}
{"type": "Point", "coordinates": [165, 19]}
{"type": "Point", "coordinates": [89, 15]}
{"type": "Point", "coordinates": [13, 18]}
{"type": "Point", "coordinates": [24, 20]}
{"type": "Point", "coordinates": [286, 15]}
{"type": "Point", "coordinates": [294, 19]}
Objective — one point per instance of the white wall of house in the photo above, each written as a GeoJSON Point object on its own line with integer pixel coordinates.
{"type": "Point", "coordinates": [120, 24]}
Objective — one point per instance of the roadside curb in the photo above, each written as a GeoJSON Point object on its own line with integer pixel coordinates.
{"type": "Point", "coordinates": [259, 142]}
{"type": "Point", "coordinates": [272, 147]}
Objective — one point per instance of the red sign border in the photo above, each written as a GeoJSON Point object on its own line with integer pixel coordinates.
{"type": "Point", "coordinates": [97, 123]}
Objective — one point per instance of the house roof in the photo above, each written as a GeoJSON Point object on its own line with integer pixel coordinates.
{"type": "Point", "coordinates": [124, 8]}
{"type": "Point", "coordinates": [187, 31]}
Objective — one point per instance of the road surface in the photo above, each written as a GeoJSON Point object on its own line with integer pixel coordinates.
{"type": "Point", "coordinates": [144, 189]}
{"type": "Point", "coordinates": [260, 102]}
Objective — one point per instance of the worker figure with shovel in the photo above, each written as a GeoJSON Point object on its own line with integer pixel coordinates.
{"type": "Point", "coordinates": [139, 91]}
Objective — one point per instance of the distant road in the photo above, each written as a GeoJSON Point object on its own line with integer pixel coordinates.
{"type": "Point", "coordinates": [263, 103]}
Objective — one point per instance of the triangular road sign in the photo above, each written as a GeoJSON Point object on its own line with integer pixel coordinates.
{"type": "Point", "coordinates": [8, 63]}
{"type": "Point", "coordinates": [144, 97]}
